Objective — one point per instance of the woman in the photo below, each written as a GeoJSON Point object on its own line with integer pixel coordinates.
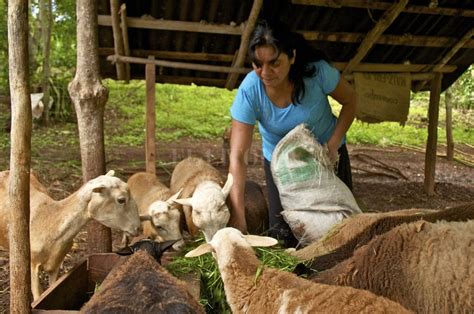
{"type": "Point", "coordinates": [288, 86]}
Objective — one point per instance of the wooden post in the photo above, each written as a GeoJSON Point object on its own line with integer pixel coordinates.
{"type": "Point", "coordinates": [244, 42]}
{"type": "Point", "coordinates": [126, 45]}
{"type": "Point", "coordinates": [150, 146]}
{"type": "Point", "coordinates": [431, 144]}
{"type": "Point", "coordinates": [118, 42]}
{"type": "Point", "coordinates": [20, 158]}
{"type": "Point", "coordinates": [89, 97]}
{"type": "Point", "coordinates": [449, 125]}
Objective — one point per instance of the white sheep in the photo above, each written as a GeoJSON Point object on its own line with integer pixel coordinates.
{"type": "Point", "coordinates": [155, 200]}
{"type": "Point", "coordinates": [250, 288]}
{"type": "Point", "coordinates": [428, 268]}
{"type": "Point", "coordinates": [203, 198]}
{"type": "Point", "coordinates": [54, 224]}
{"type": "Point", "coordinates": [141, 285]}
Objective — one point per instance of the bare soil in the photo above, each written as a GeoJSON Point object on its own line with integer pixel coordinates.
{"type": "Point", "coordinates": [385, 179]}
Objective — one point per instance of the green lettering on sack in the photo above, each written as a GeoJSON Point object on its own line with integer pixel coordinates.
{"type": "Point", "coordinates": [298, 166]}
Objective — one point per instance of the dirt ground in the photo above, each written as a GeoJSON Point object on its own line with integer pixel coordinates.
{"type": "Point", "coordinates": [385, 179]}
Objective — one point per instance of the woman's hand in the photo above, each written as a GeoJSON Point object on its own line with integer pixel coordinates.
{"type": "Point", "coordinates": [332, 150]}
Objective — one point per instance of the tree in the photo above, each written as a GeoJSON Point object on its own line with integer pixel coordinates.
{"type": "Point", "coordinates": [89, 97]}
{"type": "Point", "coordinates": [46, 23]}
{"type": "Point", "coordinates": [20, 157]}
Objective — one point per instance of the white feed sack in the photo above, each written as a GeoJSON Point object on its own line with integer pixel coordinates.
{"type": "Point", "coordinates": [312, 196]}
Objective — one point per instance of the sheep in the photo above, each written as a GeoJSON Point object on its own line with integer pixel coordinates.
{"type": "Point", "coordinates": [141, 285]}
{"type": "Point", "coordinates": [54, 224]}
{"type": "Point", "coordinates": [341, 241]}
{"type": "Point", "coordinates": [203, 199]}
{"type": "Point", "coordinates": [256, 209]}
{"type": "Point", "coordinates": [154, 200]}
{"type": "Point", "coordinates": [426, 267]}
{"type": "Point", "coordinates": [249, 288]}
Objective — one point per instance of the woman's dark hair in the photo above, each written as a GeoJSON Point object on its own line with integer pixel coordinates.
{"type": "Point", "coordinates": [282, 39]}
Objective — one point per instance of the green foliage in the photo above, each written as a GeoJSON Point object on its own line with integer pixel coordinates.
{"type": "Point", "coordinates": [212, 287]}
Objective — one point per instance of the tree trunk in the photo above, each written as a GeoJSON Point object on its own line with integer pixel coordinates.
{"type": "Point", "coordinates": [46, 19]}
{"type": "Point", "coordinates": [20, 158]}
{"type": "Point", "coordinates": [89, 97]}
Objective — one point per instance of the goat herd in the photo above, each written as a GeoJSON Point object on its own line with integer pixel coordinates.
{"type": "Point", "coordinates": [397, 262]}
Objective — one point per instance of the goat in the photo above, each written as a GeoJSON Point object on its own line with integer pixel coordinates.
{"type": "Point", "coordinates": [141, 285]}
{"type": "Point", "coordinates": [251, 288]}
{"type": "Point", "coordinates": [203, 199]}
{"type": "Point", "coordinates": [54, 224]}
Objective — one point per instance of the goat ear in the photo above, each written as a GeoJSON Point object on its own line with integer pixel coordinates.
{"type": "Point", "coordinates": [228, 185]}
{"type": "Point", "coordinates": [125, 251]}
{"type": "Point", "coordinates": [167, 244]}
{"type": "Point", "coordinates": [111, 173]}
{"type": "Point", "coordinates": [184, 201]}
{"type": "Point", "coordinates": [200, 250]}
{"type": "Point", "coordinates": [145, 218]}
{"type": "Point", "coordinates": [255, 240]}
{"type": "Point", "coordinates": [174, 197]}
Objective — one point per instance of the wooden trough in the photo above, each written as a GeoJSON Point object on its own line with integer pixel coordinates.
{"type": "Point", "coordinates": [71, 291]}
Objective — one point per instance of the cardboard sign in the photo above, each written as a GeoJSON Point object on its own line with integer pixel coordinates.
{"type": "Point", "coordinates": [382, 97]}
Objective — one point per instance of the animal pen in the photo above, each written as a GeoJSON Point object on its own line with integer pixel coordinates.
{"type": "Point", "coordinates": [426, 44]}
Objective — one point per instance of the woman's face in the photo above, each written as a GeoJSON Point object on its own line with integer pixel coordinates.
{"type": "Point", "coordinates": [272, 69]}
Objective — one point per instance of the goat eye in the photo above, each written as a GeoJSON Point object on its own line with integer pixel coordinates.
{"type": "Point", "coordinates": [121, 200]}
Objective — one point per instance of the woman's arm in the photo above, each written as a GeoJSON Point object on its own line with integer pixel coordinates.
{"type": "Point", "coordinates": [346, 96]}
{"type": "Point", "coordinates": [240, 142]}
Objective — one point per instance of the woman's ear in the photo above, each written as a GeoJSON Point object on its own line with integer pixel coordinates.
{"type": "Point", "coordinates": [294, 57]}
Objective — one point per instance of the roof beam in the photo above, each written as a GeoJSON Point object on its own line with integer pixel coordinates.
{"type": "Point", "coordinates": [368, 4]}
{"type": "Point", "coordinates": [388, 17]}
{"type": "Point", "coordinates": [106, 20]}
{"type": "Point", "coordinates": [446, 58]}
{"type": "Point", "coordinates": [244, 42]}
{"type": "Point", "coordinates": [118, 40]}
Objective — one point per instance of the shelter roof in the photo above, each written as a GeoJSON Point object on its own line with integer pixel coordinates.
{"type": "Point", "coordinates": [199, 41]}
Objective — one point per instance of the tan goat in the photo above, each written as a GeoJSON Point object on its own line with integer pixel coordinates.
{"type": "Point", "coordinates": [54, 224]}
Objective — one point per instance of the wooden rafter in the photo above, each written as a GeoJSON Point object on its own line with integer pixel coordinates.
{"type": "Point", "coordinates": [378, 5]}
{"type": "Point", "coordinates": [169, 25]}
{"type": "Point", "coordinates": [389, 16]}
{"type": "Point", "coordinates": [118, 41]}
{"type": "Point", "coordinates": [446, 57]}
{"type": "Point", "coordinates": [244, 42]}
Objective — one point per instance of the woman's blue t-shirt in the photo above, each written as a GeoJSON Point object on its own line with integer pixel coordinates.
{"type": "Point", "coordinates": [252, 104]}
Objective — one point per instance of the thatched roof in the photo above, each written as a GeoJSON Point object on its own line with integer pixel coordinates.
{"type": "Point", "coordinates": [417, 36]}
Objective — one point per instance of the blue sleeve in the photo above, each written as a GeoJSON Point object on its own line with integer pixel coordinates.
{"type": "Point", "coordinates": [328, 76]}
{"type": "Point", "coordinates": [242, 109]}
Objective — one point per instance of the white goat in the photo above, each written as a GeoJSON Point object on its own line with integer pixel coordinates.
{"type": "Point", "coordinates": [54, 224]}
{"type": "Point", "coordinates": [203, 199]}
{"type": "Point", "coordinates": [155, 202]}
{"type": "Point", "coordinates": [249, 289]}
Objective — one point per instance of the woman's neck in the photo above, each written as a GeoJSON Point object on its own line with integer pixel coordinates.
{"type": "Point", "coordinates": [280, 95]}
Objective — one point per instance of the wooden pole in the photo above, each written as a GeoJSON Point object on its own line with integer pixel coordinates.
{"type": "Point", "coordinates": [20, 158]}
{"type": "Point", "coordinates": [244, 42]}
{"type": "Point", "coordinates": [449, 125]}
{"type": "Point", "coordinates": [150, 146]}
{"type": "Point", "coordinates": [126, 45]}
{"type": "Point", "coordinates": [431, 144]}
{"type": "Point", "coordinates": [118, 42]}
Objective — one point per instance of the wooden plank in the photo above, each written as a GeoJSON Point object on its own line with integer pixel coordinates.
{"type": "Point", "coordinates": [197, 27]}
{"type": "Point", "coordinates": [395, 40]}
{"type": "Point", "coordinates": [390, 67]}
{"type": "Point", "coordinates": [448, 97]}
{"type": "Point", "coordinates": [150, 146]}
{"type": "Point", "coordinates": [385, 21]}
{"type": "Point", "coordinates": [431, 143]}
{"type": "Point", "coordinates": [126, 45]}
{"type": "Point", "coordinates": [173, 55]}
{"type": "Point", "coordinates": [180, 65]}
{"type": "Point", "coordinates": [413, 77]}
{"type": "Point", "coordinates": [244, 42]}
{"type": "Point", "coordinates": [380, 5]}
{"type": "Point", "coordinates": [67, 293]}
{"type": "Point", "coordinates": [99, 265]}
{"type": "Point", "coordinates": [118, 42]}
